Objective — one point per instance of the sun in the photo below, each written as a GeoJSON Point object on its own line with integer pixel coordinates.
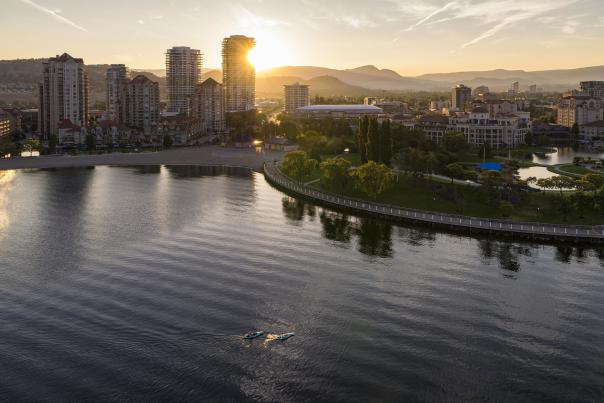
{"type": "Point", "coordinates": [269, 52]}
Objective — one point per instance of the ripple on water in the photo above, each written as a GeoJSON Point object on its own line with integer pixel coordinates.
{"type": "Point", "coordinates": [137, 284]}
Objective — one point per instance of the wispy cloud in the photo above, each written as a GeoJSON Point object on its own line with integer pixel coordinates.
{"type": "Point", "coordinates": [356, 22]}
{"type": "Point", "coordinates": [53, 14]}
{"type": "Point", "coordinates": [247, 18]}
{"type": "Point", "coordinates": [431, 15]}
{"type": "Point", "coordinates": [498, 14]}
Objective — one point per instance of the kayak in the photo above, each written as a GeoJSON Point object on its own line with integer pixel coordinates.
{"type": "Point", "coordinates": [254, 335]}
{"type": "Point", "coordinates": [285, 336]}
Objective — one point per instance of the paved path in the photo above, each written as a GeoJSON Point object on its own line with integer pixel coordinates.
{"type": "Point", "coordinates": [207, 155]}
{"type": "Point", "coordinates": [465, 223]}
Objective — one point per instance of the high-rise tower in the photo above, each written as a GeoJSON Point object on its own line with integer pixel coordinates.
{"type": "Point", "coordinates": [238, 74]}
{"type": "Point", "coordinates": [117, 77]}
{"type": "Point", "coordinates": [183, 73]}
{"type": "Point", "coordinates": [63, 94]}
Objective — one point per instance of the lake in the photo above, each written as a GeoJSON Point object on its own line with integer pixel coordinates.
{"type": "Point", "coordinates": [565, 155]}
{"type": "Point", "coordinates": [136, 284]}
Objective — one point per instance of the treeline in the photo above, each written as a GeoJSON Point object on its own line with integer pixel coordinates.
{"type": "Point", "coordinates": [374, 140]}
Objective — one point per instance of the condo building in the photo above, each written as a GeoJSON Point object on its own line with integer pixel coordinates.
{"type": "Point", "coordinates": [207, 106]}
{"type": "Point", "coordinates": [238, 74]}
{"type": "Point", "coordinates": [141, 103]}
{"type": "Point", "coordinates": [117, 77]}
{"type": "Point", "coordinates": [579, 109]}
{"type": "Point", "coordinates": [296, 96]}
{"type": "Point", "coordinates": [183, 73]}
{"type": "Point", "coordinates": [460, 97]}
{"type": "Point", "coordinates": [594, 89]}
{"type": "Point", "coordinates": [63, 94]}
{"type": "Point", "coordinates": [5, 124]}
{"type": "Point", "coordinates": [503, 130]}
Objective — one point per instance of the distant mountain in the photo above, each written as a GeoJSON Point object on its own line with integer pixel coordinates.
{"type": "Point", "coordinates": [27, 73]}
{"type": "Point", "coordinates": [556, 80]}
{"type": "Point", "coordinates": [272, 85]}
{"type": "Point", "coordinates": [369, 77]}
{"type": "Point", "coordinates": [19, 79]}
{"type": "Point", "coordinates": [156, 72]}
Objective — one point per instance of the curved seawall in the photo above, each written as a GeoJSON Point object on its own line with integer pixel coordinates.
{"type": "Point", "coordinates": [541, 231]}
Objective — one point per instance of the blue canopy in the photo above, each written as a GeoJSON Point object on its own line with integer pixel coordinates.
{"type": "Point", "coordinates": [490, 166]}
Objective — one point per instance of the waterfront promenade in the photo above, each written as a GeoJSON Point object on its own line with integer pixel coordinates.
{"type": "Point", "coordinates": [205, 155]}
{"type": "Point", "coordinates": [554, 232]}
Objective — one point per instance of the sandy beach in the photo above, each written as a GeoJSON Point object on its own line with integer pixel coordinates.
{"type": "Point", "coordinates": [208, 155]}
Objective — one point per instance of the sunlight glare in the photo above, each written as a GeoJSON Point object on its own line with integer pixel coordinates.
{"type": "Point", "coordinates": [269, 53]}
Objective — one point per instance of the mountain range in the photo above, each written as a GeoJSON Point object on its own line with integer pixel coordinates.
{"type": "Point", "coordinates": [360, 81]}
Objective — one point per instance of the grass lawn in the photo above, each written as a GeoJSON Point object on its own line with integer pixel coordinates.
{"type": "Point", "coordinates": [574, 169]}
{"type": "Point", "coordinates": [424, 194]}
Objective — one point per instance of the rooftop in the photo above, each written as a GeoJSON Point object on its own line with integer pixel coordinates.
{"type": "Point", "coordinates": [341, 108]}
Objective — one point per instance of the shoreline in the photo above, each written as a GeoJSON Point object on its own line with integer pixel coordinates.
{"type": "Point", "coordinates": [457, 223]}
{"type": "Point", "coordinates": [204, 155]}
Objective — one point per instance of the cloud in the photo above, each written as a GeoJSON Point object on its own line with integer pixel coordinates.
{"type": "Point", "coordinates": [246, 19]}
{"type": "Point", "coordinates": [53, 14]}
{"type": "Point", "coordinates": [432, 14]}
{"type": "Point", "coordinates": [499, 14]}
{"type": "Point", "coordinates": [356, 22]}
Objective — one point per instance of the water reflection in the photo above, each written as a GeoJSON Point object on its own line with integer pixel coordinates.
{"type": "Point", "coordinates": [375, 237]}
{"type": "Point", "coordinates": [6, 180]}
{"type": "Point", "coordinates": [198, 171]}
{"type": "Point", "coordinates": [564, 155]}
{"type": "Point", "coordinates": [296, 209]}
{"type": "Point", "coordinates": [417, 236]}
{"type": "Point", "coordinates": [336, 227]}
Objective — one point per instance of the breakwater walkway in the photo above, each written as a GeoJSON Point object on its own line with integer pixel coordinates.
{"type": "Point", "coordinates": [541, 231]}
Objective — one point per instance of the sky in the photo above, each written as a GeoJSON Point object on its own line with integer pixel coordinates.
{"type": "Point", "coordinates": [412, 37]}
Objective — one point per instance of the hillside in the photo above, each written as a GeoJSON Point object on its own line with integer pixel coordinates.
{"type": "Point", "coordinates": [368, 77]}
{"type": "Point", "coordinates": [19, 80]}
{"type": "Point", "coordinates": [557, 80]}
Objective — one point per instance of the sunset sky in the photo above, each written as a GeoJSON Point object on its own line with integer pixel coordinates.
{"type": "Point", "coordinates": [410, 36]}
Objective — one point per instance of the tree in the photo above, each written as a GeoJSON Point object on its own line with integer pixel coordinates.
{"type": "Point", "coordinates": [562, 182]}
{"type": "Point", "coordinates": [373, 178]}
{"type": "Point", "coordinates": [297, 165]}
{"type": "Point", "coordinates": [386, 143]}
{"type": "Point", "coordinates": [168, 141]}
{"type": "Point", "coordinates": [335, 173]}
{"type": "Point", "coordinates": [362, 138]}
{"type": "Point", "coordinates": [313, 143]}
{"type": "Point", "coordinates": [455, 142]}
{"type": "Point", "coordinates": [373, 143]}
{"type": "Point", "coordinates": [492, 181]}
{"type": "Point", "coordinates": [31, 145]}
{"type": "Point", "coordinates": [591, 181]}
{"type": "Point", "coordinates": [412, 160]}
{"type": "Point", "coordinates": [456, 171]}
{"type": "Point", "coordinates": [52, 143]}
{"type": "Point", "coordinates": [289, 130]}
{"type": "Point", "coordinates": [90, 142]}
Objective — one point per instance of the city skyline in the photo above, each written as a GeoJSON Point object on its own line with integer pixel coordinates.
{"type": "Point", "coordinates": [412, 37]}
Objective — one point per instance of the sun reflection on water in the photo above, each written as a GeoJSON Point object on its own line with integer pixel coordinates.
{"type": "Point", "coordinates": [6, 181]}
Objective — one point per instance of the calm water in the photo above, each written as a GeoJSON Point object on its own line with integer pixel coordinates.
{"type": "Point", "coordinates": [135, 284]}
{"type": "Point", "coordinates": [565, 155]}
